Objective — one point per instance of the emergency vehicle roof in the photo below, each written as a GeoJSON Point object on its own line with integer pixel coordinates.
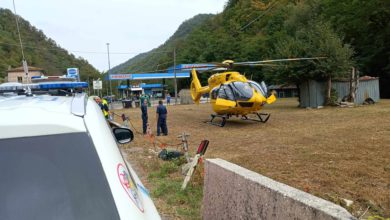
{"type": "Point", "coordinates": [23, 116]}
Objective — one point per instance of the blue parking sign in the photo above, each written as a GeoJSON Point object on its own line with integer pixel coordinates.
{"type": "Point", "coordinates": [73, 72]}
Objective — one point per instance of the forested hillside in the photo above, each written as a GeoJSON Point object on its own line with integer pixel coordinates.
{"type": "Point", "coordinates": [40, 51]}
{"type": "Point", "coordinates": [349, 33]}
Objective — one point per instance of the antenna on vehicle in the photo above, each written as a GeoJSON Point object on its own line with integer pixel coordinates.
{"type": "Point", "coordinates": [24, 62]}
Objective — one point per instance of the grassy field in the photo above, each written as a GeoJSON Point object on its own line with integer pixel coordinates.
{"type": "Point", "coordinates": [333, 153]}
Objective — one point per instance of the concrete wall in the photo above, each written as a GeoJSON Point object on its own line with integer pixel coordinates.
{"type": "Point", "coordinates": [233, 192]}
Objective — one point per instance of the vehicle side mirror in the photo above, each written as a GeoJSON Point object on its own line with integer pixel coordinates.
{"type": "Point", "coordinates": [123, 135]}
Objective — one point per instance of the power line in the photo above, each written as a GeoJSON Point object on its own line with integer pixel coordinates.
{"type": "Point", "coordinates": [146, 63]}
{"type": "Point", "coordinates": [152, 70]}
{"type": "Point", "coordinates": [138, 69]}
{"type": "Point", "coordinates": [97, 52]}
{"type": "Point", "coordinates": [78, 51]}
{"type": "Point", "coordinates": [258, 17]}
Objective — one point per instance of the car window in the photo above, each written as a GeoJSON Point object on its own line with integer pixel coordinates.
{"type": "Point", "coordinates": [53, 177]}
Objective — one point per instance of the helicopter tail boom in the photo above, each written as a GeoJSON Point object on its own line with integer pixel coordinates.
{"type": "Point", "coordinates": [196, 88]}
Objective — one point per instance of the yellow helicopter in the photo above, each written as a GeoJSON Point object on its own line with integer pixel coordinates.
{"type": "Point", "coordinates": [232, 94]}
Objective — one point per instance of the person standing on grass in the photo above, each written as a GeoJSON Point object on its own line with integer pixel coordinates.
{"type": "Point", "coordinates": [168, 99]}
{"type": "Point", "coordinates": [161, 115]}
{"type": "Point", "coordinates": [144, 110]}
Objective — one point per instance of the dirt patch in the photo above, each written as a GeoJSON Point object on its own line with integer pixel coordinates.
{"type": "Point", "coordinates": [332, 153]}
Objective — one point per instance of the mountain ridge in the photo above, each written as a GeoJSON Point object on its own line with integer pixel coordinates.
{"type": "Point", "coordinates": [40, 51]}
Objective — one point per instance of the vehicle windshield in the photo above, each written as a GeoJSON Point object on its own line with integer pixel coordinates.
{"type": "Point", "coordinates": [225, 92]}
{"type": "Point", "coordinates": [242, 91]}
{"type": "Point", "coordinates": [214, 93]}
{"type": "Point", "coordinates": [53, 177]}
{"type": "Point", "coordinates": [260, 88]}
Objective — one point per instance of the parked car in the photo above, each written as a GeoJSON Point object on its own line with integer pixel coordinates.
{"type": "Point", "coordinates": [59, 159]}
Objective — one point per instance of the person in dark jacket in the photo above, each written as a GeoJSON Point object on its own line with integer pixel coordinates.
{"type": "Point", "coordinates": [161, 115]}
{"type": "Point", "coordinates": [144, 110]}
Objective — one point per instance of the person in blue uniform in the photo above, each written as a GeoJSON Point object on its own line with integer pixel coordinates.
{"type": "Point", "coordinates": [168, 99]}
{"type": "Point", "coordinates": [161, 115]}
{"type": "Point", "coordinates": [144, 110]}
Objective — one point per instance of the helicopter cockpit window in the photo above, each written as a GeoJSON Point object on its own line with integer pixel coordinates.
{"type": "Point", "coordinates": [242, 91]}
{"type": "Point", "coordinates": [214, 93]}
{"type": "Point", "coordinates": [225, 92]}
{"type": "Point", "coordinates": [261, 89]}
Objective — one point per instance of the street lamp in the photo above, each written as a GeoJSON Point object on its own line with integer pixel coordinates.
{"type": "Point", "coordinates": [174, 73]}
{"type": "Point", "coordinates": [109, 66]}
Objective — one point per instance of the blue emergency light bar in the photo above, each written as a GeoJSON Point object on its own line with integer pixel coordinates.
{"type": "Point", "coordinates": [63, 85]}
{"type": "Point", "coordinates": [17, 86]}
{"type": "Point", "coordinates": [43, 86]}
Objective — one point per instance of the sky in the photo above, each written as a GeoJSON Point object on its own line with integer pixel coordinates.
{"type": "Point", "coordinates": [84, 27]}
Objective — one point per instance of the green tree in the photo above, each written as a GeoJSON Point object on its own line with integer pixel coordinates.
{"type": "Point", "coordinates": [366, 27]}
{"type": "Point", "coordinates": [307, 35]}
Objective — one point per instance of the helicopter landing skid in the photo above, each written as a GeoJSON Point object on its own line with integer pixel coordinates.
{"type": "Point", "coordinates": [263, 117]}
{"type": "Point", "coordinates": [223, 117]}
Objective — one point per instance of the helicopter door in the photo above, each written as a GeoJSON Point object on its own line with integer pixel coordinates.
{"type": "Point", "coordinates": [225, 97]}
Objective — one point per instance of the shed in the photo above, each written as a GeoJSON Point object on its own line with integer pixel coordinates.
{"type": "Point", "coordinates": [312, 93]}
{"type": "Point", "coordinates": [284, 91]}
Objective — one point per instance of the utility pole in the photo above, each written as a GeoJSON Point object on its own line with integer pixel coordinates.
{"type": "Point", "coordinates": [174, 73]}
{"type": "Point", "coordinates": [109, 66]}
{"type": "Point", "coordinates": [106, 86]}
{"type": "Point", "coordinates": [89, 87]}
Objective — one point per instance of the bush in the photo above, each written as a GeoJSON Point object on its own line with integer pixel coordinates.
{"type": "Point", "coordinates": [332, 101]}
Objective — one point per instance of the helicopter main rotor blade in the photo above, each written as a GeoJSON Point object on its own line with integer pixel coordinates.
{"type": "Point", "coordinates": [201, 66]}
{"type": "Point", "coordinates": [258, 64]}
{"type": "Point", "coordinates": [281, 60]}
{"type": "Point", "coordinates": [215, 69]}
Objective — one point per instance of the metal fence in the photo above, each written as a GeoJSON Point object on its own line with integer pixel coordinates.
{"type": "Point", "coordinates": [312, 93]}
